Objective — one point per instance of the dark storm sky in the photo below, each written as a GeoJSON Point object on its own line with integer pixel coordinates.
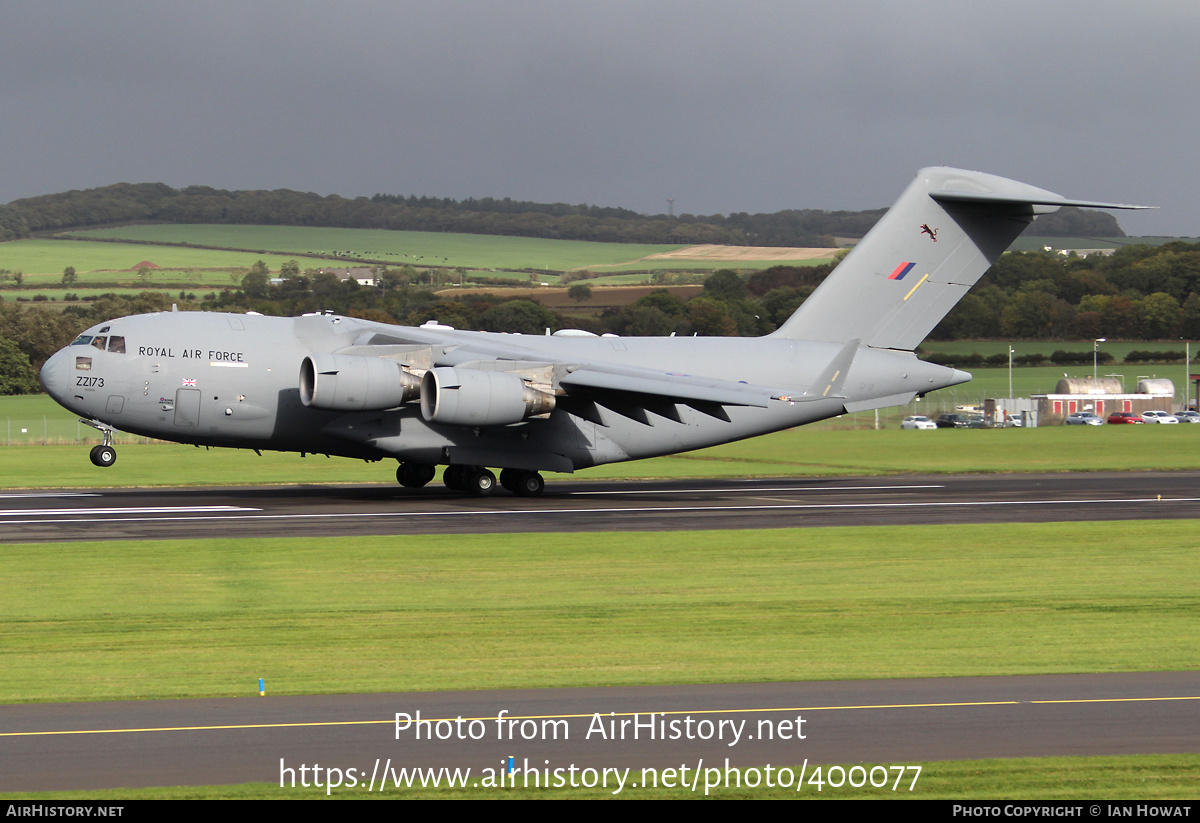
{"type": "Point", "coordinates": [724, 106]}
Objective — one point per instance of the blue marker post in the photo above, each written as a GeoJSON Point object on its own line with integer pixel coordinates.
{"type": "Point", "coordinates": [262, 689]}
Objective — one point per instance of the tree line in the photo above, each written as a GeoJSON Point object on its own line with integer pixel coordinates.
{"type": "Point", "coordinates": [157, 202]}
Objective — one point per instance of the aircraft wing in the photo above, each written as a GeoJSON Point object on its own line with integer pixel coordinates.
{"type": "Point", "coordinates": [687, 388]}
{"type": "Point", "coordinates": [631, 392]}
{"type": "Point", "coordinates": [680, 387]}
{"type": "Point", "coordinates": [582, 385]}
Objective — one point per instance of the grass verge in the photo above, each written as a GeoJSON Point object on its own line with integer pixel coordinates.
{"type": "Point", "coordinates": [810, 451]}
{"type": "Point", "coordinates": [157, 619]}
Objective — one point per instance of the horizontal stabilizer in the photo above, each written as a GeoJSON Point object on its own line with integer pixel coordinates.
{"type": "Point", "coordinates": [1017, 199]}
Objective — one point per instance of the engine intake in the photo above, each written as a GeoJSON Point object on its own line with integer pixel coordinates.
{"type": "Point", "coordinates": [473, 397]}
{"type": "Point", "coordinates": [342, 382]}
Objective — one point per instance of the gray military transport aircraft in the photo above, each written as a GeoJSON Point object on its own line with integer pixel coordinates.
{"type": "Point", "coordinates": [333, 385]}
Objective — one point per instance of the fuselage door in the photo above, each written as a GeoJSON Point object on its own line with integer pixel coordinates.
{"type": "Point", "coordinates": [187, 407]}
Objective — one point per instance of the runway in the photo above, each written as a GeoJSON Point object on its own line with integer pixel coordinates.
{"type": "Point", "coordinates": [575, 506]}
{"type": "Point", "coordinates": [878, 723]}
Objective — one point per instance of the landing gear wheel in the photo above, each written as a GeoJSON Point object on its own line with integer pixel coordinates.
{"type": "Point", "coordinates": [454, 478]}
{"type": "Point", "coordinates": [414, 475]}
{"type": "Point", "coordinates": [480, 481]}
{"type": "Point", "coordinates": [509, 479]}
{"type": "Point", "coordinates": [103, 456]}
{"type": "Point", "coordinates": [530, 484]}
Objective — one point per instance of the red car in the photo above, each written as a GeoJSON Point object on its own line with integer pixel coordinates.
{"type": "Point", "coordinates": [1124, 417]}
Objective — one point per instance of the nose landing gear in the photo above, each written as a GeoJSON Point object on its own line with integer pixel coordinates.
{"type": "Point", "coordinates": [103, 455]}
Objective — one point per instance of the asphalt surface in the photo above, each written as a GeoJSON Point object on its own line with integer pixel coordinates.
{"type": "Point", "coordinates": [132, 514]}
{"type": "Point", "coordinates": [886, 723]}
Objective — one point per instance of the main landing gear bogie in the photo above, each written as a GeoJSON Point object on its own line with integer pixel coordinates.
{"type": "Point", "coordinates": [522, 483]}
{"type": "Point", "coordinates": [476, 480]}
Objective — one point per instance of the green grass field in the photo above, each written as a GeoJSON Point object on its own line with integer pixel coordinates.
{"type": "Point", "coordinates": [843, 445]}
{"type": "Point", "coordinates": [43, 261]}
{"type": "Point", "coordinates": [401, 247]}
{"type": "Point", "coordinates": [808, 452]}
{"type": "Point", "coordinates": [118, 620]}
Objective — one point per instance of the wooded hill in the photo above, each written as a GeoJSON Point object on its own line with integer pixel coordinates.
{"type": "Point", "coordinates": [157, 202]}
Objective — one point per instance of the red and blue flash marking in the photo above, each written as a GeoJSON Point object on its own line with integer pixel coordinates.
{"type": "Point", "coordinates": [901, 270]}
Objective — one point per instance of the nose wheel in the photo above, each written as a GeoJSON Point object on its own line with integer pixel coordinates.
{"type": "Point", "coordinates": [103, 455]}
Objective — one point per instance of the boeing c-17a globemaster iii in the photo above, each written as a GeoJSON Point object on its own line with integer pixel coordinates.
{"type": "Point", "coordinates": [476, 401]}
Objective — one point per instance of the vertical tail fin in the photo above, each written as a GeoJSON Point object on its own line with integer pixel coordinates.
{"type": "Point", "coordinates": [918, 261]}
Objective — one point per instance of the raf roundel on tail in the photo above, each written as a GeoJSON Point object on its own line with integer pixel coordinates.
{"type": "Point", "coordinates": [476, 401]}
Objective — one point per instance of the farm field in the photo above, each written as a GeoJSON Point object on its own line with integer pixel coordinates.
{"type": "Point", "coordinates": [397, 247]}
{"type": "Point", "coordinates": [43, 261]}
{"type": "Point", "coordinates": [559, 300]}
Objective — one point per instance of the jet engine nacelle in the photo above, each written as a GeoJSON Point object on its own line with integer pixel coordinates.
{"type": "Point", "coordinates": [342, 382]}
{"type": "Point", "coordinates": [472, 397]}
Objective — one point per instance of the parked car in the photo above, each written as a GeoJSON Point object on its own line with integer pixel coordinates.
{"type": "Point", "coordinates": [1083, 419]}
{"type": "Point", "coordinates": [920, 421]}
{"type": "Point", "coordinates": [1124, 417]}
{"type": "Point", "coordinates": [1158, 416]}
{"type": "Point", "coordinates": [961, 421]}
{"type": "Point", "coordinates": [1187, 416]}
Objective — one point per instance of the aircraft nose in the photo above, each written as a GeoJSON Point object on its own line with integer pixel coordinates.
{"type": "Point", "coordinates": [56, 375]}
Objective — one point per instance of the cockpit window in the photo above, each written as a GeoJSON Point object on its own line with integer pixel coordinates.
{"type": "Point", "coordinates": [82, 340]}
{"type": "Point", "coordinates": [116, 344]}
{"type": "Point", "coordinates": [83, 363]}
{"type": "Point", "coordinates": [99, 342]}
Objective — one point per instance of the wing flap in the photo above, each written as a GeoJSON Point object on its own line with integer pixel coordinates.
{"type": "Point", "coordinates": [678, 387]}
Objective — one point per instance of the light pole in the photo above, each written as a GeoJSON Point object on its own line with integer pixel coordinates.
{"type": "Point", "coordinates": [1096, 357]}
{"type": "Point", "coordinates": [1010, 354]}
{"type": "Point", "coordinates": [1187, 370]}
